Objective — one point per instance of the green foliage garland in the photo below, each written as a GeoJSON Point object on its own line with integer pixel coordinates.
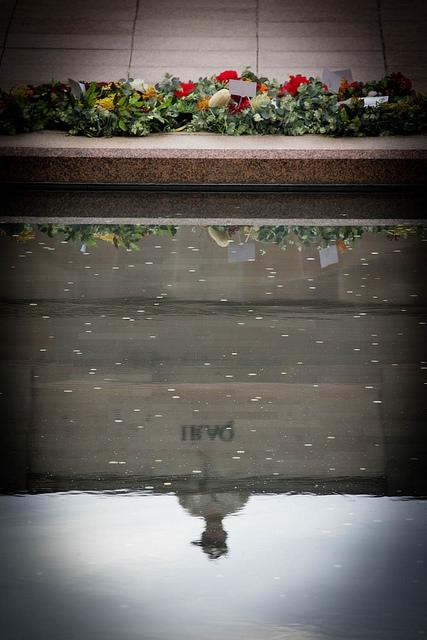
{"type": "Point", "coordinates": [297, 107]}
{"type": "Point", "coordinates": [128, 235]}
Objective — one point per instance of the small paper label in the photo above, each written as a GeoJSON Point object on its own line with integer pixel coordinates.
{"type": "Point", "coordinates": [328, 256]}
{"type": "Point", "coordinates": [373, 101]}
{"type": "Point", "coordinates": [77, 88]}
{"type": "Point", "coordinates": [333, 78]}
{"type": "Point", "coordinates": [243, 252]}
{"type": "Point", "coordinates": [242, 88]}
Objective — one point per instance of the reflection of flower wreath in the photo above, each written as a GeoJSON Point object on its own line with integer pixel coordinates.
{"type": "Point", "coordinates": [123, 235]}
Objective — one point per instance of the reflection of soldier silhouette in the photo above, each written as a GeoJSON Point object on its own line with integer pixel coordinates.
{"type": "Point", "coordinates": [213, 507]}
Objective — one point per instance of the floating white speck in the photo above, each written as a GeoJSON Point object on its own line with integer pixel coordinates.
{"type": "Point", "coordinates": [68, 391]}
{"type": "Point", "coordinates": [377, 401]}
{"type": "Point", "coordinates": [196, 471]}
{"type": "Point", "coordinates": [308, 444]}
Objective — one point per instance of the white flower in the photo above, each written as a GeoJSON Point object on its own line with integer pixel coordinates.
{"type": "Point", "coordinates": [257, 117]}
{"type": "Point", "coordinates": [138, 85]}
{"type": "Point", "coordinates": [220, 99]}
{"type": "Point", "coordinates": [260, 101]}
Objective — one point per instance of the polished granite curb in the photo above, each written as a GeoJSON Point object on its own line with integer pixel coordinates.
{"type": "Point", "coordinates": [197, 159]}
{"type": "Point", "coordinates": [31, 203]}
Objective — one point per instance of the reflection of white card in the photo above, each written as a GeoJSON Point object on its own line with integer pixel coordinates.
{"type": "Point", "coordinates": [328, 256]}
{"type": "Point", "coordinates": [77, 88]}
{"type": "Point", "coordinates": [373, 101]}
{"type": "Point", "coordinates": [243, 252]}
{"type": "Point", "coordinates": [333, 78]}
{"type": "Point", "coordinates": [242, 88]}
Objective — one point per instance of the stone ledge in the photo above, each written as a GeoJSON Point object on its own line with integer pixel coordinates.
{"type": "Point", "coordinates": [53, 157]}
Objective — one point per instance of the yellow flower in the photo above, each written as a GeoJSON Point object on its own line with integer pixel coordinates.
{"type": "Point", "coordinates": [203, 105]}
{"type": "Point", "coordinates": [25, 235]}
{"type": "Point", "coordinates": [106, 87]}
{"type": "Point", "coordinates": [106, 103]}
{"type": "Point", "coordinates": [21, 91]}
{"type": "Point", "coordinates": [108, 237]}
{"type": "Point", "coordinates": [150, 92]}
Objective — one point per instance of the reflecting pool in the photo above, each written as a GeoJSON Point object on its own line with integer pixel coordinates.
{"type": "Point", "coordinates": [213, 432]}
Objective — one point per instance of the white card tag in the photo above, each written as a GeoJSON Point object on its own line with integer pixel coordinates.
{"type": "Point", "coordinates": [242, 88]}
{"type": "Point", "coordinates": [373, 101]}
{"type": "Point", "coordinates": [328, 256]}
{"type": "Point", "coordinates": [243, 252]}
{"type": "Point", "coordinates": [77, 88]}
{"type": "Point", "coordinates": [333, 78]}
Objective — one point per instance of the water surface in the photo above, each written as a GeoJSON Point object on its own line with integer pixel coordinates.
{"type": "Point", "coordinates": [202, 441]}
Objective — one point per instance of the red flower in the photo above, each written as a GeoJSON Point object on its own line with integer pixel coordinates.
{"type": "Point", "coordinates": [185, 90]}
{"type": "Point", "coordinates": [226, 75]}
{"type": "Point", "coordinates": [401, 82]}
{"type": "Point", "coordinates": [292, 85]}
{"type": "Point", "coordinates": [350, 89]}
{"type": "Point", "coordinates": [238, 104]}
